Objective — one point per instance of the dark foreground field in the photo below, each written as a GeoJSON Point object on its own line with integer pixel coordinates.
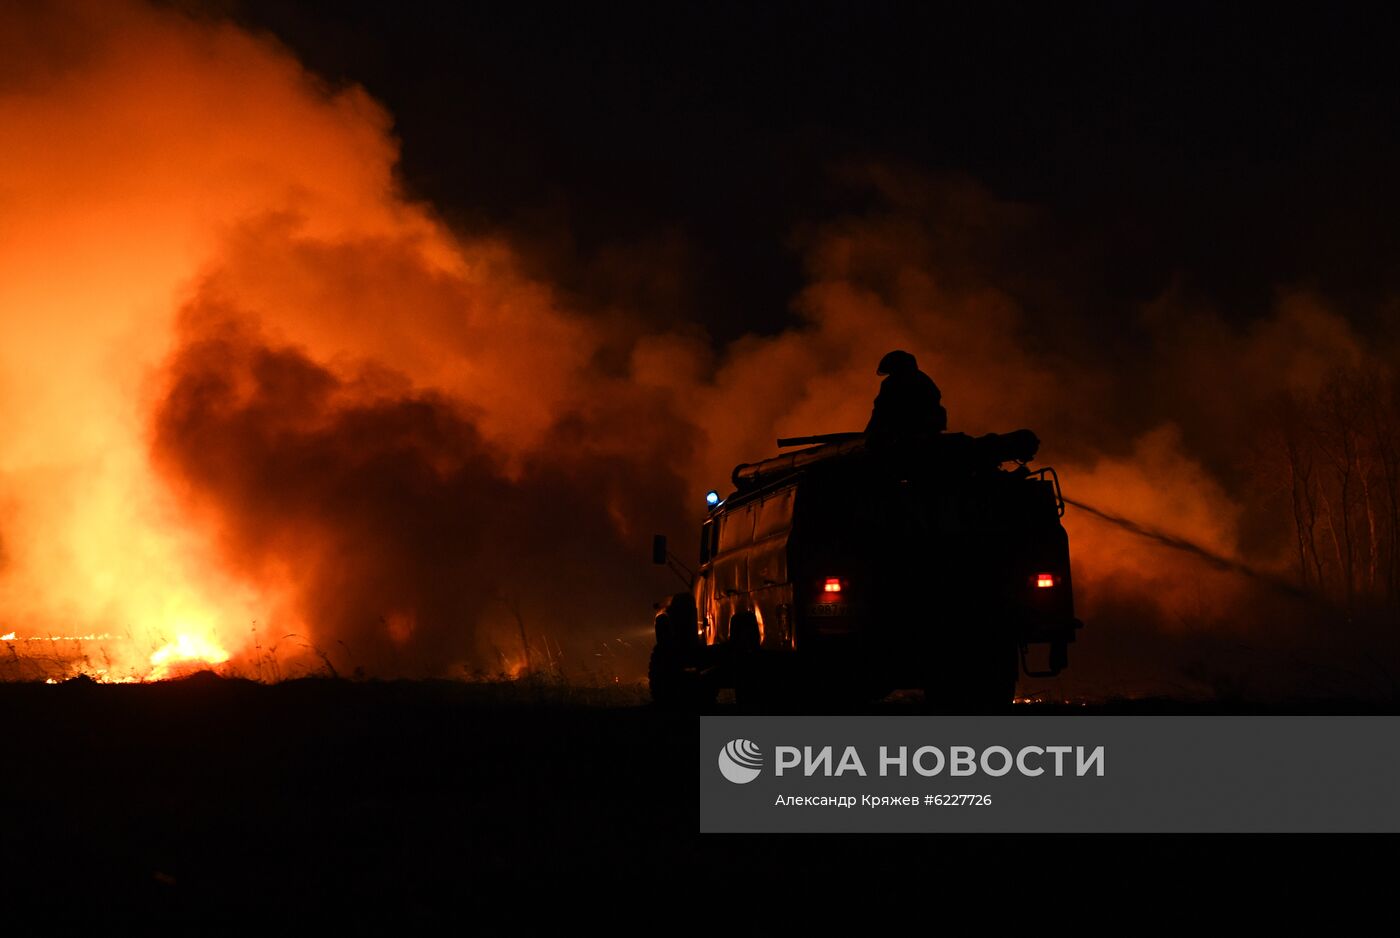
{"type": "Point", "coordinates": [319, 795]}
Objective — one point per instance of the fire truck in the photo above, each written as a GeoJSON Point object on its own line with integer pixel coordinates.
{"type": "Point", "coordinates": [848, 568]}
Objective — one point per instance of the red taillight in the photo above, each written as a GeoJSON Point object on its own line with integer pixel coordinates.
{"type": "Point", "coordinates": [832, 585]}
{"type": "Point", "coordinates": [1043, 581]}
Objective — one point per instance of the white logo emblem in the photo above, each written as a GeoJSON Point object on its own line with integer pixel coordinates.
{"type": "Point", "coordinates": [740, 761]}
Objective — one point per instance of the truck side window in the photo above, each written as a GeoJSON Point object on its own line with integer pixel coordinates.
{"type": "Point", "coordinates": [706, 531]}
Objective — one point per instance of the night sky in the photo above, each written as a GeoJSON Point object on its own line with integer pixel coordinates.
{"type": "Point", "coordinates": [1220, 152]}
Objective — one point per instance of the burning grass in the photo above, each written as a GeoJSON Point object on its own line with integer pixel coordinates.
{"type": "Point", "coordinates": [84, 661]}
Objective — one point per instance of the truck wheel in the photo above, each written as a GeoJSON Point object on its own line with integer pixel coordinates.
{"type": "Point", "coordinates": [751, 684]}
{"type": "Point", "coordinates": [743, 632]}
{"type": "Point", "coordinates": [674, 686]}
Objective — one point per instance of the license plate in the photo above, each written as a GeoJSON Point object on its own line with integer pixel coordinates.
{"type": "Point", "coordinates": [828, 609]}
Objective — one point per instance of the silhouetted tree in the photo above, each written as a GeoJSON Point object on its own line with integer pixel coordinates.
{"type": "Point", "coordinates": [1340, 449]}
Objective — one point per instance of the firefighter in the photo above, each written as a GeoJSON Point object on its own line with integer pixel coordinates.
{"type": "Point", "coordinates": [909, 404]}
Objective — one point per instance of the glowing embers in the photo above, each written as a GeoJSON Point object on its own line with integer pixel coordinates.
{"type": "Point", "coordinates": [187, 653]}
{"type": "Point", "coordinates": [115, 659]}
{"type": "Point", "coordinates": [91, 637]}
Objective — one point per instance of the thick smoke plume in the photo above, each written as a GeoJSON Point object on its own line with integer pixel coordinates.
{"type": "Point", "coordinates": [254, 396]}
{"type": "Point", "coordinates": [257, 396]}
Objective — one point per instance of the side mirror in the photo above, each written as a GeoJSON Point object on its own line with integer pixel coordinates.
{"type": "Point", "coordinates": [659, 553]}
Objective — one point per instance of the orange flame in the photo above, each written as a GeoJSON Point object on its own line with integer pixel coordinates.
{"type": "Point", "coordinates": [187, 652]}
{"type": "Point", "coordinates": [125, 177]}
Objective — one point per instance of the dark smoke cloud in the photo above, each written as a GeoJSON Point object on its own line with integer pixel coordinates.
{"type": "Point", "coordinates": [393, 528]}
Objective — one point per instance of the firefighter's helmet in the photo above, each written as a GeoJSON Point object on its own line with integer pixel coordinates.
{"type": "Point", "coordinates": [896, 362]}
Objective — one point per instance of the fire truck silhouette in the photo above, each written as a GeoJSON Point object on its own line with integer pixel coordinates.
{"type": "Point", "coordinates": [854, 566]}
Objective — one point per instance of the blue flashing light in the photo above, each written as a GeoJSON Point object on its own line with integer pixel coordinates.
{"type": "Point", "coordinates": [712, 498]}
